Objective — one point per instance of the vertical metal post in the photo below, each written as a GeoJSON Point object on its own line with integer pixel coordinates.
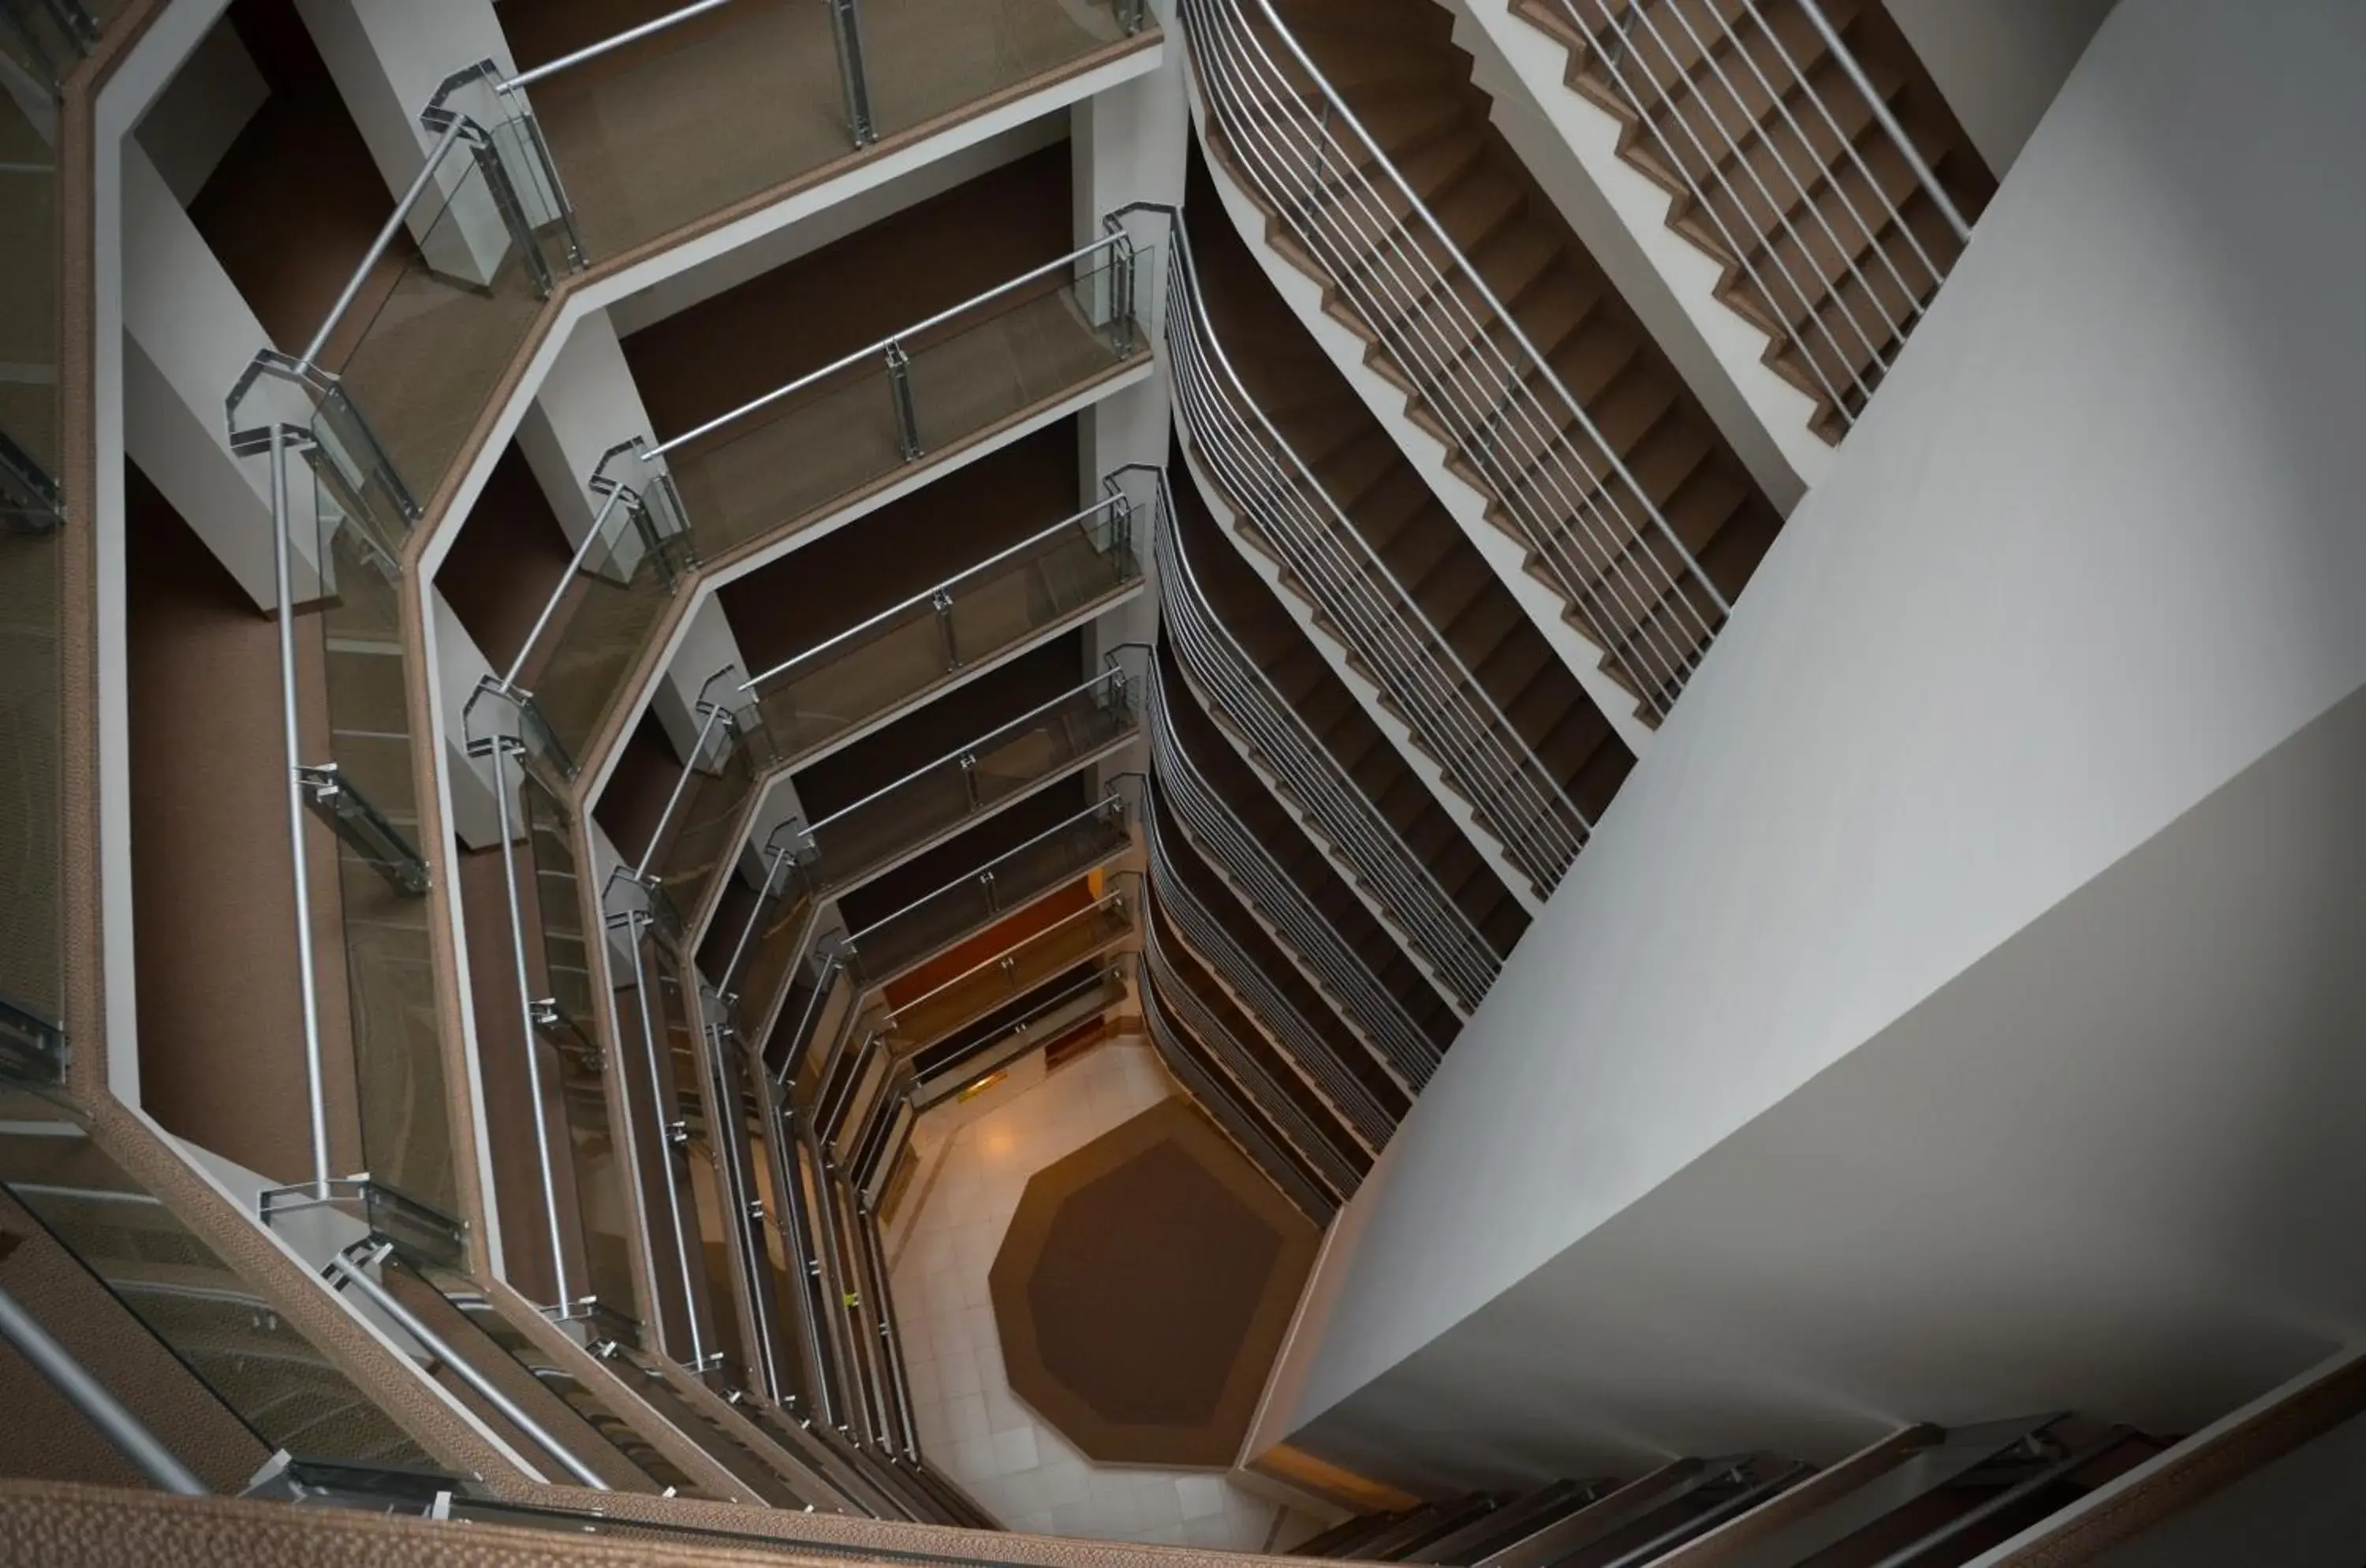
{"type": "Point", "coordinates": [993, 891]}
{"type": "Point", "coordinates": [853, 72]}
{"type": "Point", "coordinates": [642, 981]}
{"type": "Point", "coordinates": [503, 748]}
{"type": "Point", "coordinates": [1841, 53]}
{"type": "Point", "coordinates": [899, 388]}
{"type": "Point", "coordinates": [942, 604]}
{"type": "Point", "coordinates": [291, 740]}
{"type": "Point", "coordinates": [969, 779]}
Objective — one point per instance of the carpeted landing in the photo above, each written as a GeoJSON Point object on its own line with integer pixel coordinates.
{"type": "Point", "coordinates": [1143, 1289]}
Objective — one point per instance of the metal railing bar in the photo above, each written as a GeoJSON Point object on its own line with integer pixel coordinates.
{"type": "Point", "coordinates": [1104, 678]}
{"type": "Point", "coordinates": [1106, 903]}
{"type": "Point", "coordinates": [926, 594]}
{"type": "Point", "coordinates": [1101, 808]}
{"type": "Point", "coordinates": [574, 566]}
{"type": "Point", "coordinates": [343, 1269]}
{"type": "Point", "coordinates": [594, 50]}
{"type": "Point", "coordinates": [715, 716]}
{"type": "Point", "coordinates": [393, 226]}
{"type": "Point", "coordinates": [1580, 498]}
{"type": "Point", "coordinates": [861, 355]}
{"type": "Point", "coordinates": [1227, 839]}
{"type": "Point", "coordinates": [1382, 265]}
{"type": "Point", "coordinates": [92, 1401]}
{"type": "Point", "coordinates": [1231, 963]}
{"type": "Point", "coordinates": [1896, 132]}
{"type": "Point", "coordinates": [1419, 903]}
{"type": "Point", "coordinates": [1546, 846]}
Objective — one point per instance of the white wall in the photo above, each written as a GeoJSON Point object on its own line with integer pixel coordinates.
{"type": "Point", "coordinates": [2093, 552]}
{"type": "Point", "coordinates": [1999, 62]}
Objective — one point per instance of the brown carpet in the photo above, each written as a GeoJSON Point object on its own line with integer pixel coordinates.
{"type": "Point", "coordinates": [1143, 1289]}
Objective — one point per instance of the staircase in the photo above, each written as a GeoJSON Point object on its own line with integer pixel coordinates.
{"type": "Point", "coordinates": [1775, 165]}
{"type": "Point", "coordinates": [1405, 562]}
{"type": "Point", "coordinates": [1509, 343]}
{"type": "Point", "coordinates": [1923, 1497]}
{"type": "Point", "coordinates": [1272, 642]}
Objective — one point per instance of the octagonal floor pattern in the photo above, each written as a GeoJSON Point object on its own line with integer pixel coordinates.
{"type": "Point", "coordinates": [979, 1161]}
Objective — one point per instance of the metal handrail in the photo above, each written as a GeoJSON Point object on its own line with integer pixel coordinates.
{"type": "Point", "coordinates": [1590, 524]}
{"type": "Point", "coordinates": [928, 595]}
{"type": "Point", "coordinates": [1263, 997]}
{"type": "Point", "coordinates": [1114, 901]}
{"type": "Point", "coordinates": [639, 923]}
{"type": "Point", "coordinates": [129, 1435]}
{"type": "Point", "coordinates": [1204, 1075]}
{"type": "Point", "coordinates": [1806, 297]}
{"type": "Point", "coordinates": [1114, 674]}
{"type": "Point", "coordinates": [1118, 242]}
{"type": "Point", "coordinates": [1227, 844]}
{"type": "Point", "coordinates": [395, 224]}
{"type": "Point", "coordinates": [1105, 806]}
{"type": "Point", "coordinates": [1233, 688]}
{"type": "Point", "coordinates": [607, 45]}
{"type": "Point", "coordinates": [1162, 986]}
{"type": "Point", "coordinates": [1518, 799]}
{"type": "Point", "coordinates": [1103, 973]}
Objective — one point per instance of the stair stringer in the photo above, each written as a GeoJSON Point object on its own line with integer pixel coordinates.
{"type": "Point", "coordinates": [1504, 556]}
{"type": "Point", "coordinates": [1424, 763]}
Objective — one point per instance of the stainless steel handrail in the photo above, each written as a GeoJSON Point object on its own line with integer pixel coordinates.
{"type": "Point", "coordinates": [344, 1270]}
{"type": "Point", "coordinates": [1265, 1000]}
{"type": "Point", "coordinates": [129, 1435]}
{"type": "Point", "coordinates": [1117, 242]}
{"type": "Point", "coordinates": [1609, 549]}
{"type": "Point", "coordinates": [1116, 902]}
{"type": "Point", "coordinates": [1226, 843]}
{"type": "Point", "coordinates": [637, 925]}
{"type": "Point", "coordinates": [1107, 804]}
{"type": "Point", "coordinates": [1381, 622]}
{"type": "Point", "coordinates": [1106, 677]}
{"type": "Point", "coordinates": [1162, 985]}
{"type": "Point", "coordinates": [1204, 1078]}
{"type": "Point", "coordinates": [1234, 690]}
{"type": "Point", "coordinates": [594, 50]}
{"type": "Point", "coordinates": [928, 595]}
{"type": "Point", "coordinates": [1809, 298]}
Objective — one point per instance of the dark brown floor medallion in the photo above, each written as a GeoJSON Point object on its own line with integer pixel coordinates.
{"type": "Point", "coordinates": [1144, 1288]}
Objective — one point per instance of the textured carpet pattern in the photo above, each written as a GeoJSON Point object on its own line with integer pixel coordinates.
{"type": "Point", "coordinates": [1144, 1288]}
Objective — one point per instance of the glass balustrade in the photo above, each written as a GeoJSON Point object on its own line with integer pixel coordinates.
{"type": "Point", "coordinates": [890, 825]}
{"type": "Point", "coordinates": [176, 1287]}
{"type": "Point", "coordinates": [755, 474]}
{"type": "Point", "coordinates": [32, 911]}
{"type": "Point", "coordinates": [700, 831]}
{"type": "Point", "coordinates": [1011, 1031]}
{"type": "Point", "coordinates": [897, 942]}
{"type": "Point", "coordinates": [994, 978]}
{"type": "Point", "coordinates": [902, 653]}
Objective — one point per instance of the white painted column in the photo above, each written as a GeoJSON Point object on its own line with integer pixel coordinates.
{"type": "Point", "coordinates": [188, 336]}
{"type": "Point", "coordinates": [1128, 145]}
{"type": "Point", "coordinates": [389, 57]}
{"type": "Point", "coordinates": [587, 404]}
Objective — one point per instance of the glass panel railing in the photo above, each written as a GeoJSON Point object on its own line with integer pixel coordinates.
{"type": "Point", "coordinates": [771, 943]}
{"type": "Point", "coordinates": [602, 613]}
{"type": "Point", "coordinates": [756, 473]}
{"type": "Point", "coordinates": [897, 942]}
{"type": "Point", "coordinates": [831, 432]}
{"type": "Point", "coordinates": [999, 977]}
{"type": "Point", "coordinates": [182, 1292]}
{"type": "Point", "coordinates": [1013, 1029]}
{"type": "Point", "coordinates": [609, 112]}
{"type": "Point", "coordinates": [720, 1443]}
{"type": "Point", "coordinates": [382, 880]}
{"type": "Point", "coordinates": [894, 823]}
{"type": "Point", "coordinates": [901, 653]}
{"type": "Point", "coordinates": [701, 827]}
{"type": "Point", "coordinates": [927, 60]}
{"type": "Point", "coordinates": [32, 914]}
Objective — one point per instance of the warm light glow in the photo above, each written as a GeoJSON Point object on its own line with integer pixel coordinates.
{"type": "Point", "coordinates": [987, 1082]}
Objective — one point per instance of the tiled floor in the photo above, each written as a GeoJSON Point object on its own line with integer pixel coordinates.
{"type": "Point", "coordinates": [970, 1425]}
